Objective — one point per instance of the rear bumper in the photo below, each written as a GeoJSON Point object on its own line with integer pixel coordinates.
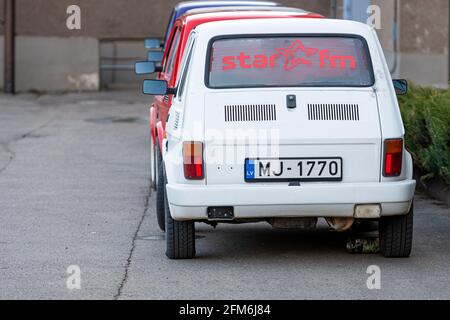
{"type": "Point", "coordinates": [190, 202]}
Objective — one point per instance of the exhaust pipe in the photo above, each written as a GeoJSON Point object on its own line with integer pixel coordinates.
{"type": "Point", "coordinates": [340, 224]}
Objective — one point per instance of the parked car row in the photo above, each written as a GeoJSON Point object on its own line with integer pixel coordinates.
{"type": "Point", "coordinates": [275, 114]}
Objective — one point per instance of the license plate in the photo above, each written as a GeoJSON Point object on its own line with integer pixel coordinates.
{"type": "Point", "coordinates": [293, 169]}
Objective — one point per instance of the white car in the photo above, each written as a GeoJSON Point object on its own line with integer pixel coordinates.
{"type": "Point", "coordinates": [286, 121]}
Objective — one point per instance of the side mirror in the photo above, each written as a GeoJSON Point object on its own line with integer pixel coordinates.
{"type": "Point", "coordinates": [155, 56]}
{"type": "Point", "coordinates": [152, 43]}
{"type": "Point", "coordinates": [157, 88]}
{"type": "Point", "coordinates": [144, 67]}
{"type": "Point", "coordinates": [400, 86]}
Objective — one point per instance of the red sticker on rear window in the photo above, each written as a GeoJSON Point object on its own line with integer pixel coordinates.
{"type": "Point", "coordinates": [289, 61]}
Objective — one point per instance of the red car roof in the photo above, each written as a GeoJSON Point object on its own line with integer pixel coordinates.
{"type": "Point", "coordinates": [200, 18]}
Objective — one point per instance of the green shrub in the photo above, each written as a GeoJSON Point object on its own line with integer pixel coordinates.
{"type": "Point", "coordinates": [426, 116]}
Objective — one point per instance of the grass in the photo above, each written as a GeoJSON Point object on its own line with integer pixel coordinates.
{"type": "Point", "coordinates": [426, 116]}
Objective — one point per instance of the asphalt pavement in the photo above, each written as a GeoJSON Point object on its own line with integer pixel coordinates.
{"type": "Point", "coordinates": [74, 192]}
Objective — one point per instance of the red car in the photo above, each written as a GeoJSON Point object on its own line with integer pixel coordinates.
{"type": "Point", "coordinates": [171, 62]}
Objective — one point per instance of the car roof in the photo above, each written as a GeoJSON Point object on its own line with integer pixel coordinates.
{"type": "Point", "coordinates": [269, 26]}
{"type": "Point", "coordinates": [201, 18]}
{"type": "Point", "coordinates": [182, 7]}
{"type": "Point", "coordinates": [243, 8]}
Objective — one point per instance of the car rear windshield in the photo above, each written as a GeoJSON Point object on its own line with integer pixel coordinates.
{"type": "Point", "coordinates": [304, 61]}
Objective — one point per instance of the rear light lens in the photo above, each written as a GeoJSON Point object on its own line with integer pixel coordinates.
{"type": "Point", "coordinates": [393, 157]}
{"type": "Point", "coordinates": [193, 160]}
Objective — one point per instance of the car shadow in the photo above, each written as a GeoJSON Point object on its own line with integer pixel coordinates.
{"type": "Point", "coordinates": [260, 241]}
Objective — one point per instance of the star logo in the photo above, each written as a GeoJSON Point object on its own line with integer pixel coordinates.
{"type": "Point", "coordinates": [296, 55]}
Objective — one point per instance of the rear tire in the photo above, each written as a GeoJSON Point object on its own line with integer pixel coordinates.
{"type": "Point", "coordinates": [155, 160]}
{"type": "Point", "coordinates": [180, 236]}
{"type": "Point", "coordinates": [160, 206]}
{"type": "Point", "coordinates": [396, 235]}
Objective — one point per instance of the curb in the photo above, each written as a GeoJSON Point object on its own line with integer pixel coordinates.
{"type": "Point", "coordinates": [435, 188]}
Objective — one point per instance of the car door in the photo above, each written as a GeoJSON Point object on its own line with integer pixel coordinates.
{"type": "Point", "coordinates": [162, 103]}
{"type": "Point", "coordinates": [175, 120]}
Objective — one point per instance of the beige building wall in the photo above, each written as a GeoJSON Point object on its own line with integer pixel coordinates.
{"type": "Point", "coordinates": [111, 18]}
{"type": "Point", "coordinates": [424, 41]}
{"type": "Point", "coordinates": [52, 58]}
{"type": "Point", "coordinates": [421, 52]}
{"type": "Point", "coordinates": [112, 33]}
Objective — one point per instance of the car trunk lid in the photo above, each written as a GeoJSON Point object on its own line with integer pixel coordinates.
{"type": "Point", "coordinates": [295, 123]}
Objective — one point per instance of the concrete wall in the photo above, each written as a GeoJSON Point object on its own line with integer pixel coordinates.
{"type": "Point", "coordinates": [47, 64]}
{"type": "Point", "coordinates": [2, 56]}
{"type": "Point", "coordinates": [120, 54]}
{"type": "Point", "coordinates": [50, 57]}
{"type": "Point", "coordinates": [421, 53]}
{"type": "Point", "coordinates": [110, 18]}
{"type": "Point", "coordinates": [57, 63]}
{"type": "Point", "coordinates": [424, 41]}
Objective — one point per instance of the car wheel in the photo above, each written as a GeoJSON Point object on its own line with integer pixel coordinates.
{"type": "Point", "coordinates": [158, 161]}
{"type": "Point", "coordinates": [396, 235]}
{"type": "Point", "coordinates": [160, 206]}
{"type": "Point", "coordinates": [153, 166]}
{"type": "Point", "coordinates": [180, 236]}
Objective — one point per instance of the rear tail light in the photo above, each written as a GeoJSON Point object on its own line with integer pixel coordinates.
{"type": "Point", "coordinates": [393, 157]}
{"type": "Point", "coordinates": [193, 160]}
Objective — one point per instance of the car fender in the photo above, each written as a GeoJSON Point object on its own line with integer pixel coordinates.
{"type": "Point", "coordinates": [408, 165]}
{"type": "Point", "coordinates": [152, 122]}
{"type": "Point", "coordinates": [160, 135]}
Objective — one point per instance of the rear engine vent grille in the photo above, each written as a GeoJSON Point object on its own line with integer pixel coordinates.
{"type": "Point", "coordinates": [339, 112]}
{"type": "Point", "coordinates": [251, 113]}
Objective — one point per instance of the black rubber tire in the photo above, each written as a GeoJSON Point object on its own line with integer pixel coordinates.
{"type": "Point", "coordinates": [180, 236]}
{"type": "Point", "coordinates": [160, 206]}
{"type": "Point", "coordinates": [157, 160]}
{"type": "Point", "coordinates": [396, 234]}
{"type": "Point", "coordinates": [153, 166]}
